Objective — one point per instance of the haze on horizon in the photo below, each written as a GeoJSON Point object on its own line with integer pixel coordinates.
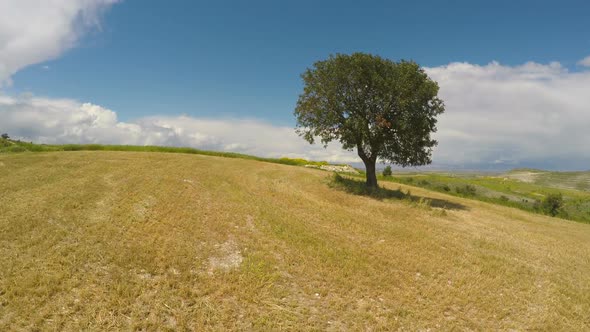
{"type": "Point", "coordinates": [514, 77]}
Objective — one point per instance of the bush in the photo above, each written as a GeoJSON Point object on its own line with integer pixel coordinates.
{"type": "Point", "coordinates": [466, 190]}
{"type": "Point", "coordinates": [504, 198]}
{"type": "Point", "coordinates": [300, 162]}
{"type": "Point", "coordinates": [387, 171]}
{"type": "Point", "coordinates": [423, 183]}
{"type": "Point", "coordinates": [445, 187]}
{"type": "Point", "coordinates": [552, 204]}
{"type": "Point", "coordinates": [16, 148]}
{"type": "Point", "coordinates": [5, 136]}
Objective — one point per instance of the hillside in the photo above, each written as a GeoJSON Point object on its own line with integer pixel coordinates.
{"type": "Point", "coordinates": [525, 190]}
{"type": "Point", "coordinates": [562, 180]}
{"type": "Point", "coordinates": [97, 240]}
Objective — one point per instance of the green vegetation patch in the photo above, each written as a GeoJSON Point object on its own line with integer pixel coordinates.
{"type": "Point", "coordinates": [538, 197]}
{"type": "Point", "coordinates": [8, 145]}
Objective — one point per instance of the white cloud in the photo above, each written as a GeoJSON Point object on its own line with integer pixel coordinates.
{"type": "Point", "coordinates": [585, 62]}
{"type": "Point", "coordinates": [532, 114]}
{"type": "Point", "coordinates": [49, 121]}
{"type": "Point", "coordinates": [497, 116]}
{"type": "Point", "coordinates": [33, 31]}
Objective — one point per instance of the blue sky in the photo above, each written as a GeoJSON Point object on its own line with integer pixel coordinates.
{"type": "Point", "coordinates": [229, 60]}
{"type": "Point", "coordinates": [244, 58]}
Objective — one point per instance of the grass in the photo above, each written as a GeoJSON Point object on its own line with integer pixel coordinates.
{"type": "Point", "coordinates": [16, 146]}
{"type": "Point", "coordinates": [560, 180]}
{"type": "Point", "coordinates": [501, 190]}
{"type": "Point", "coordinates": [104, 240]}
{"type": "Point", "coordinates": [357, 187]}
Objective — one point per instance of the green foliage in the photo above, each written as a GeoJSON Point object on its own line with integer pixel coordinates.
{"type": "Point", "coordinates": [445, 187]}
{"type": "Point", "coordinates": [552, 204]}
{"type": "Point", "coordinates": [387, 171]}
{"type": "Point", "coordinates": [423, 183]}
{"type": "Point", "coordinates": [5, 136]}
{"type": "Point", "coordinates": [466, 190]}
{"type": "Point", "coordinates": [301, 162]}
{"type": "Point", "coordinates": [381, 108]}
{"type": "Point", "coordinates": [16, 148]}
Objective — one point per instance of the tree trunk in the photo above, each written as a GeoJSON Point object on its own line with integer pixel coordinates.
{"type": "Point", "coordinates": [369, 166]}
{"type": "Point", "coordinates": [371, 173]}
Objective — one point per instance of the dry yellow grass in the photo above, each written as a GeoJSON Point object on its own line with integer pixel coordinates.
{"type": "Point", "coordinates": [124, 240]}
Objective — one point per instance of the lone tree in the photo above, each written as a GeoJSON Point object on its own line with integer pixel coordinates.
{"type": "Point", "coordinates": [384, 109]}
{"type": "Point", "coordinates": [387, 171]}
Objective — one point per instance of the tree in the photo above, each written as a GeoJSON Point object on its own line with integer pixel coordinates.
{"type": "Point", "coordinates": [387, 171]}
{"type": "Point", "coordinates": [552, 204]}
{"type": "Point", "coordinates": [381, 108]}
{"type": "Point", "coordinates": [5, 136]}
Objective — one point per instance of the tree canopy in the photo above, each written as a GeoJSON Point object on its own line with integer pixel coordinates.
{"type": "Point", "coordinates": [385, 110]}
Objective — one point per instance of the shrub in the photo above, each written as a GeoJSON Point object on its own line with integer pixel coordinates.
{"type": "Point", "coordinates": [5, 136]}
{"type": "Point", "coordinates": [423, 183]}
{"type": "Point", "coordinates": [504, 198]}
{"type": "Point", "coordinates": [445, 187]}
{"type": "Point", "coordinates": [16, 148]}
{"type": "Point", "coordinates": [300, 162]}
{"type": "Point", "coordinates": [387, 171]}
{"type": "Point", "coordinates": [466, 190]}
{"type": "Point", "coordinates": [552, 204]}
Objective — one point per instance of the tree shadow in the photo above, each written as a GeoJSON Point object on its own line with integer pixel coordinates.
{"type": "Point", "coordinates": [356, 187]}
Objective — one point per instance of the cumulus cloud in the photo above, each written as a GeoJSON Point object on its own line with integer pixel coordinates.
{"type": "Point", "coordinates": [498, 117]}
{"type": "Point", "coordinates": [528, 115]}
{"type": "Point", "coordinates": [50, 121]}
{"type": "Point", "coordinates": [585, 62]}
{"type": "Point", "coordinates": [33, 31]}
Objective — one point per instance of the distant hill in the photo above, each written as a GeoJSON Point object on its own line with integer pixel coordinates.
{"type": "Point", "coordinates": [563, 180]}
